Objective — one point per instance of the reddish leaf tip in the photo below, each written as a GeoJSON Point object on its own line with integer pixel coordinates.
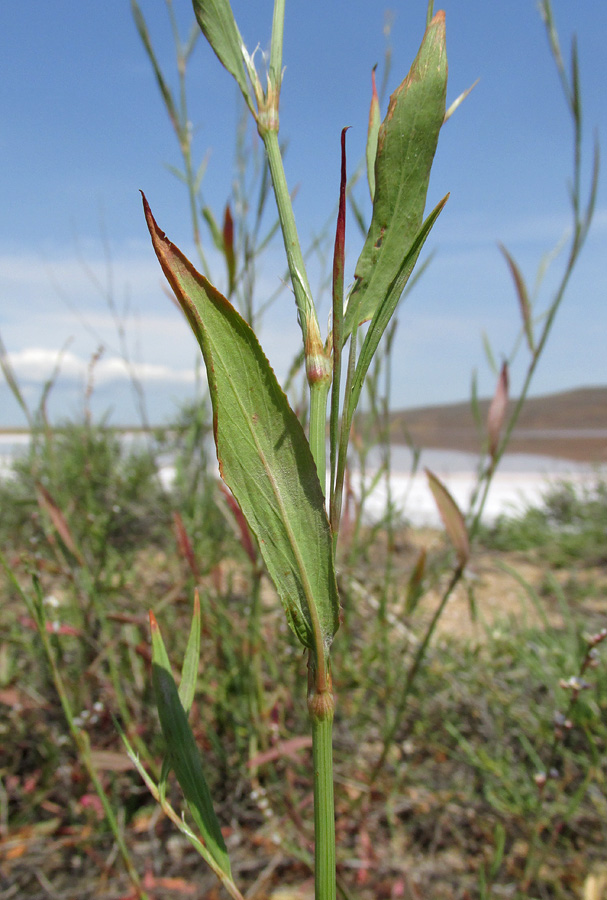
{"type": "Point", "coordinates": [153, 622]}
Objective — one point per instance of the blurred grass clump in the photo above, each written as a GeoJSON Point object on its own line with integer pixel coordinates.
{"type": "Point", "coordinates": [568, 527]}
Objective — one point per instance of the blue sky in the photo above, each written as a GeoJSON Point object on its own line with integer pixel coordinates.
{"type": "Point", "coordinates": [83, 129]}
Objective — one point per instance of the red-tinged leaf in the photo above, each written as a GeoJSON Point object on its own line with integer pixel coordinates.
{"type": "Point", "coordinates": [523, 296]}
{"type": "Point", "coordinates": [416, 582]}
{"type": "Point", "coordinates": [185, 545]}
{"type": "Point", "coordinates": [337, 330]}
{"type": "Point", "coordinates": [246, 538]}
{"type": "Point", "coordinates": [228, 248]}
{"type": "Point", "coordinates": [372, 135]}
{"type": "Point", "coordinates": [340, 231]}
{"type": "Point", "coordinates": [290, 748]}
{"type": "Point", "coordinates": [176, 886]}
{"type": "Point", "coordinates": [497, 411]}
{"type": "Point", "coordinates": [46, 503]}
{"type": "Point", "coordinates": [453, 520]}
{"type": "Point", "coordinates": [264, 455]}
{"type": "Point", "coordinates": [111, 761]}
{"type": "Point", "coordinates": [51, 627]}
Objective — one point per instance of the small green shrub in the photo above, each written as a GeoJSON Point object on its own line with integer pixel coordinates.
{"type": "Point", "coordinates": [569, 527]}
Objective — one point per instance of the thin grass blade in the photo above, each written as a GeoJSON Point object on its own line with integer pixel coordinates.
{"type": "Point", "coordinates": [453, 520]}
{"type": "Point", "coordinates": [183, 752]}
{"type": "Point", "coordinates": [497, 411]}
{"type": "Point", "coordinates": [372, 135]}
{"type": "Point", "coordinates": [523, 296]}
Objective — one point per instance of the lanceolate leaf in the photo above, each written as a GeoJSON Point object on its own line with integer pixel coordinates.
{"type": "Point", "coordinates": [264, 456]}
{"type": "Point", "coordinates": [183, 752]}
{"type": "Point", "coordinates": [523, 296]}
{"type": "Point", "coordinates": [406, 145]}
{"type": "Point", "coordinates": [372, 134]}
{"type": "Point", "coordinates": [497, 411]}
{"type": "Point", "coordinates": [218, 25]}
{"type": "Point", "coordinates": [453, 520]}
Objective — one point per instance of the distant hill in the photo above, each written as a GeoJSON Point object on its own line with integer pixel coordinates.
{"type": "Point", "coordinates": [570, 424]}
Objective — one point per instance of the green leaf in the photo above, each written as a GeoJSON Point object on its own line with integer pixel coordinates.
{"type": "Point", "coordinates": [453, 520]}
{"type": "Point", "coordinates": [406, 145]}
{"type": "Point", "coordinates": [189, 670]}
{"type": "Point", "coordinates": [372, 136]}
{"type": "Point", "coordinates": [523, 296]}
{"type": "Point", "coordinates": [183, 752]}
{"type": "Point", "coordinates": [386, 308]}
{"type": "Point", "coordinates": [207, 214]}
{"type": "Point", "coordinates": [264, 456]}
{"type": "Point", "coordinates": [218, 25]}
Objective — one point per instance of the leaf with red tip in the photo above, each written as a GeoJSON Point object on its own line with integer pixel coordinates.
{"type": "Point", "coordinates": [264, 455]}
{"type": "Point", "coordinates": [523, 296]}
{"type": "Point", "coordinates": [228, 248]}
{"type": "Point", "coordinates": [184, 544]}
{"type": "Point", "coordinates": [246, 539]}
{"type": "Point", "coordinates": [497, 411]}
{"type": "Point", "coordinates": [47, 503]}
{"type": "Point", "coordinates": [453, 520]}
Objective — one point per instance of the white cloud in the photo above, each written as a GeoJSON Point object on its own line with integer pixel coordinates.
{"type": "Point", "coordinates": [36, 365]}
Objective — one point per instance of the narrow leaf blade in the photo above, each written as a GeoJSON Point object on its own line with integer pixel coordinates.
{"type": "Point", "coordinates": [183, 751]}
{"type": "Point", "coordinates": [372, 135]}
{"type": "Point", "coordinates": [218, 25]}
{"type": "Point", "coordinates": [523, 296]}
{"type": "Point", "coordinates": [453, 520]}
{"type": "Point", "coordinates": [497, 411]}
{"type": "Point", "coordinates": [189, 670]}
{"type": "Point", "coordinates": [264, 456]}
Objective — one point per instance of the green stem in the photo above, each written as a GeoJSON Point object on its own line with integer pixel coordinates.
{"type": "Point", "coordinates": [321, 714]}
{"type": "Point", "coordinates": [319, 393]}
{"type": "Point", "coordinates": [295, 259]}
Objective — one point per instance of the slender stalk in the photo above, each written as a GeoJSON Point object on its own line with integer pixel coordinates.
{"type": "Point", "coordinates": [295, 259]}
{"type": "Point", "coordinates": [319, 392]}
